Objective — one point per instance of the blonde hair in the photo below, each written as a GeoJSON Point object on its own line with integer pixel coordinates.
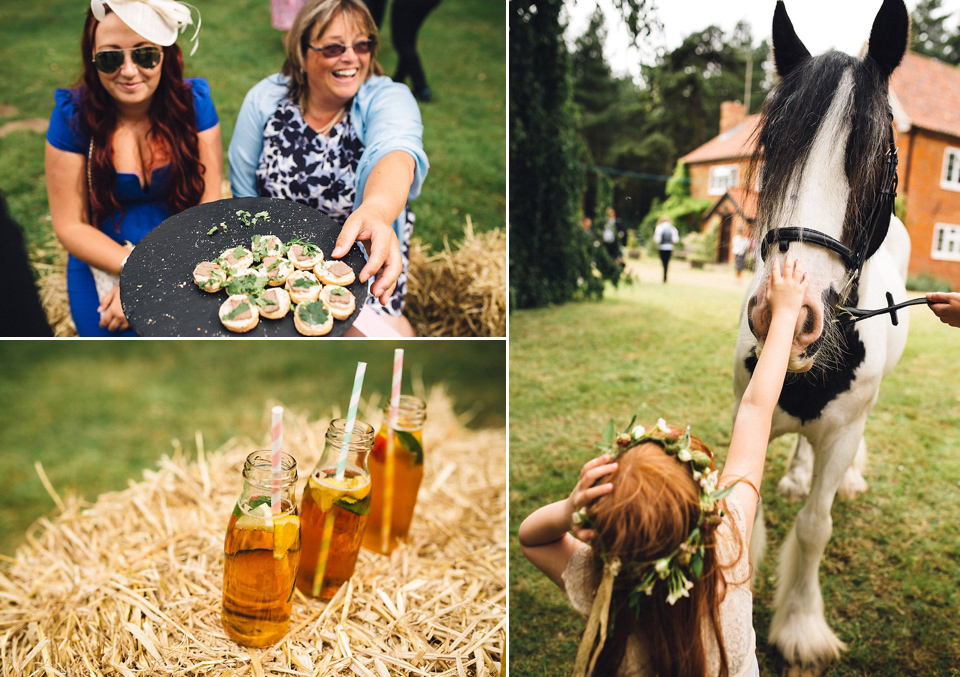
{"type": "Point", "coordinates": [654, 506]}
{"type": "Point", "coordinates": [311, 21]}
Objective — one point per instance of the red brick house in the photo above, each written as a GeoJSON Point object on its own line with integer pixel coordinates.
{"type": "Point", "coordinates": [925, 96]}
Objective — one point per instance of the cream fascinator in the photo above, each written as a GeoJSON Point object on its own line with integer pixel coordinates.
{"type": "Point", "coordinates": [158, 21]}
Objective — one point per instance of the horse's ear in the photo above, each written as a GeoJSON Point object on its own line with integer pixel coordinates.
{"type": "Point", "coordinates": [889, 35]}
{"type": "Point", "coordinates": [788, 51]}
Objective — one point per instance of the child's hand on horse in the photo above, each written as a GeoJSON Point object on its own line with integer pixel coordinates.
{"type": "Point", "coordinates": [785, 290]}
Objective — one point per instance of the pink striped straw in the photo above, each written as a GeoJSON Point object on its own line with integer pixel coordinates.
{"type": "Point", "coordinates": [276, 435]}
{"type": "Point", "coordinates": [388, 469]}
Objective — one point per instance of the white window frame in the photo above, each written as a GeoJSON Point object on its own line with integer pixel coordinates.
{"type": "Point", "coordinates": [719, 182]}
{"type": "Point", "coordinates": [950, 174]}
{"type": "Point", "coordinates": [946, 242]}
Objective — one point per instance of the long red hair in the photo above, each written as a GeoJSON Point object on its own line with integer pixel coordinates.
{"type": "Point", "coordinates": [173, 130]}
{"type": "Point", "coordinates": [654, 506]}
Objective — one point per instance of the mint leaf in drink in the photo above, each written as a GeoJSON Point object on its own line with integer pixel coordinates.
{"type": "Point", "coordinates": [411, 444]}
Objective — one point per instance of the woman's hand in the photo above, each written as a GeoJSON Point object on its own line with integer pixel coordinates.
{"type": "Point", "coordinates": [585, 492]}
{"type": "Point", "coordinates": [111, 314]}
{"type": "Point", "coordinates": [374, 228]}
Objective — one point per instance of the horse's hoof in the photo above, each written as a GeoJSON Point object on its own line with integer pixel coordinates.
{"type": "Point", "coordinates": [792, 489]}
{"type": "Point", "coordinates": [852, 485]}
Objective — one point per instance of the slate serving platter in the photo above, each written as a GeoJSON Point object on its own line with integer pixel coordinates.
{"type": "Point", "coordinates": [157, 290]}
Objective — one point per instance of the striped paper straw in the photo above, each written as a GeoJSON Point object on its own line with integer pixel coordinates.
{"type": "Point", "coordinates": [276, 436]}
{"type": "Point", "coordinates": [351, 419]}
{"type": "Point", "coordinates": [327, 533]}
{"type": "Point", "coordinates": [387, 516]}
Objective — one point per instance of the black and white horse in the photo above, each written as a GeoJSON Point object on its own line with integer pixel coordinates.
{"type": "Point", "coordinates": [827, 171]}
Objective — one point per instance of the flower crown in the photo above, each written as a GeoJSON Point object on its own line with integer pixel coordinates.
{"type": "Point", "coordinates": [685, 564]}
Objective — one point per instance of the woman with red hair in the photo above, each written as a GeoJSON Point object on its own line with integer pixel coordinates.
{"type": "Point", "coordinates": [133, 143]}
{"type": "Point", "coordinates": [658, 555]}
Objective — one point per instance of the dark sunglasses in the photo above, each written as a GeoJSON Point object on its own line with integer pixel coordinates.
{"type": "Point", "coordinates": [109, 60]}
{"type": "Point", "coordinates": [334, 50]}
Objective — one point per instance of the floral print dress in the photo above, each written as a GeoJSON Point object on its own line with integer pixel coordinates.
{"type": "Point", "coordinates": [320, 171]}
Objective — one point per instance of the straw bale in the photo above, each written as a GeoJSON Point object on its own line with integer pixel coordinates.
{"type": "Point", "coordinates": [460, 291]}
{"type": "Point", "coordinates": [131, 583]}
{"type": "Point", "coordinates": [52, 287]}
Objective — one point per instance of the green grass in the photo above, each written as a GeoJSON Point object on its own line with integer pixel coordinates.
{"type": "Point", "coordinates": [461, 44]}
{"type": "Point", "coordinates": [95, 414]}
{"type": "Point", "coordinates": [891, 568]}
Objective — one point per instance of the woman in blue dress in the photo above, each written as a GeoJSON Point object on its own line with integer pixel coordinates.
{"type": "Point", "coordinates": [333, 133]}
{"type": "Point", "coordinates": [132, 144]}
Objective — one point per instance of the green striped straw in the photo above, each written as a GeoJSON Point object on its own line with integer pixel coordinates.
{"type": "Point", "coordinates": [351, 418]}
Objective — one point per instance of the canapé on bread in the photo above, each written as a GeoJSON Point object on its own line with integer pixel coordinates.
{"type": "Point", "coordinates": [340, 301]}
{"type": "Point", "coordinates": [335, 272]}
{"type": "Point", "coordinates": [238, 313]}
{"type": "Point", "coordinates": [274, 303]}
{"type": "Point", "coordinates": [313, 318]}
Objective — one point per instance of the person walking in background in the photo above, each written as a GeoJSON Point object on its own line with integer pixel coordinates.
{"type": "Point", "coordinates": [741, 245]}
{"type": "Point", "coordinates": [132, 144]}
{"type": "Point", "coordinates": [665, 235]}
{"type": "Point", "coordinates": [406, 18]}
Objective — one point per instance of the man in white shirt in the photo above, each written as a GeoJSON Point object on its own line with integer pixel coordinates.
{"type": "Point", "coordinates": [665, 235]}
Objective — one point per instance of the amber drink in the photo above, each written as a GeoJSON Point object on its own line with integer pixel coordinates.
{"type": "Point", "coordinates": [262, 552]}
{"type": "Point", "coordinates": [407, 474]}
{"type": "Point", "coordinates": [334, 511]}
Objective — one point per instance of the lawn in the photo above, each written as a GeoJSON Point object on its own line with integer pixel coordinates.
{"type": "Point", "coordinates": [462, 45]}
{"type": "Point", "coordinates": [96, 414]}
{"type": "Point", "coordinates": [890, 571]}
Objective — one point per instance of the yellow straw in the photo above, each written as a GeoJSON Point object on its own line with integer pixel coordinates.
{"type": "Point", "coordinates": [324, 553]}
{"type": "Point", "coordinates": [387, 513]}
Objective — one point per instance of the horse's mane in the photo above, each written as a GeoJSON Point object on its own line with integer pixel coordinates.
{"type": "Point", "coordinates": [789, 122]}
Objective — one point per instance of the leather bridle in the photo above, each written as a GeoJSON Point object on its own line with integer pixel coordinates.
{"type": "Point", "coordinates": [869, 239]}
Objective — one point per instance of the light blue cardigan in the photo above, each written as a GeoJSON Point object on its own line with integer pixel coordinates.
{"type": "Point", "coordinates": [384, 114]}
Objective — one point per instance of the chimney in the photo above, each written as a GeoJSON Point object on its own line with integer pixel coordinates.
{"type": "Point", "coordinates": [732, 114]}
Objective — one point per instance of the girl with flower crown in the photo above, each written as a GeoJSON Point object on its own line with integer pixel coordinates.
{"type": "Point", "coordinates": [132, 144]}
{"type": "Point", "coordinates": [657, 557]}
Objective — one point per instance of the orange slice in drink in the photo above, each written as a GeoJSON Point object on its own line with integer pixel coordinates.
{"type": "Point", "coordinates": [286, 530]}
{"type": "Point", "coordinates": [330, 489]}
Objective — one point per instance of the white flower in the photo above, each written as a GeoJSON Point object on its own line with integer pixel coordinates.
{"type": "Point", "coordinates": [662, 426]}
{"type": "Point", "coordinates": [684, 455]}
{"type": "Point", "coordinates": [638, 432]}
{"type": "Point", "coordinates": [679, 587]}
{"type": "Point", "coordinates": [662, 567]}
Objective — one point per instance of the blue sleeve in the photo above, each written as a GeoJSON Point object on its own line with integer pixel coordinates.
{"type": "Point", "coordinates": [246, 144]}
{"type": "Point", "coordinates": [64, 131]}
{"type": "Point", "coordinates": [203, 104]}
{"type": "Point", "coordinates": [389, 120]}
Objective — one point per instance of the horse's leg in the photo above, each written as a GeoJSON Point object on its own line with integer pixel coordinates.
{"type": "Point", "coordinates": [799, 629]}
{"type": "Point", "coordinates": [795, 483]}
{"type": "Point", "coordinates": [853, 483]}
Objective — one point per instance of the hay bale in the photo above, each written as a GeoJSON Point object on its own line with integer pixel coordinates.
{"type": "Point", "coordinates": [461, 291]}
{"type": "Point", "coordinates": [131, 584]}
{"type": "Point", "coordinates": [52, 287]}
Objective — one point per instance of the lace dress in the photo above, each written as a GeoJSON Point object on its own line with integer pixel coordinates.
{"type": "Point", "coordinates": [581, 579]}
{"type": "Point", "coordinates": [320, 171]}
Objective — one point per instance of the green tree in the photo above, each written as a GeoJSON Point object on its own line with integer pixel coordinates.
{"type": "Point", "coordinates": [549, 257]}
{"type": "Point", "coordinates": [930, 37]}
